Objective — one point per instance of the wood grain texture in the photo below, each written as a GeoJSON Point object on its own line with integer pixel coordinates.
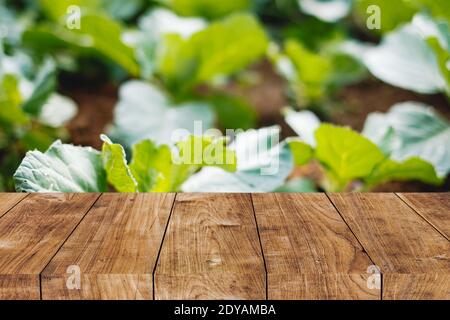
{"type": "Point", "coordinates": [412, 256]}
{"type": "Point", "coordinates": [211, 250]}
{"type": "Point", "coordinates": [31, 233]}
{"type": "Point", "coordinates": [115, 247]}
{"type": "Point", "coordinates": [433, 207]}
{"type": "Point", "coordinates": [9, 200]}
{"type": "Point", "coordinates": [310, 252]}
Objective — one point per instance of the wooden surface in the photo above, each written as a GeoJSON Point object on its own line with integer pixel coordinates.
{"type": "Point", "coordinates": [115, 247]}
{"type": "Point", "coordinates": [31, 234]}
{"type": "Point", "coordinates": [211, 250]}
{"type": "Point", "coordinates": [310, 252]}
{"type": "Point", "coordinates": [434, 208]}
{"type": "Point", "coordinates": [224, 246]}
{"type": "Point", "coordinates": [413, 257]}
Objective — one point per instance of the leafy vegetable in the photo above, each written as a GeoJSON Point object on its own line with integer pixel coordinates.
{"type": "Point", "coordinates": [30, 112]}
{"type": "Point", "coordinates": [314, 75]}
{"type": "Point", "coordinates": [406, 59]}
{"type": "Point", "coordinates": [97, 32]}
{"type": "Point", "coordinates": [411, 169]}
{"type": "Point", "coordinates": [62, 168]}
{"type": "Point", "coordinates": [67, 168]}
{"type": "Point", "coordinates": [263, 165]}
{"type": "Point", "coordinates": [144, 112]}
{"type": "Point", "coordinates": [346, 156]}
{"type": "Point", "coordinates": [117, 170]}
{"type": "Point", "coordinates": [412, 129]}
{"type": "Point", "coordinates": [210, 53]}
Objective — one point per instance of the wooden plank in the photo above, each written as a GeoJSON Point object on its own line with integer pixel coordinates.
{"type": "Point", "coordinates": [309, 250]}
{"type": "Point", "coordinates": [413, 257]}
{"type": "Point", "coordinates": [9, 200]}
{"type": "Point", "coordinates": [211, 250]}
{"type": "Point", "coordinates": [115, 248]}
{"type": "Point", "coordinates": [31, 233]}
{"type": "Point", "coordinates": [433, 207]}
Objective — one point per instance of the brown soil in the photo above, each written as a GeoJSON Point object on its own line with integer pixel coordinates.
{"type": "Point", "coordinates": [96, 107]}
{"type": "Point", "coordinates": [370, 96]}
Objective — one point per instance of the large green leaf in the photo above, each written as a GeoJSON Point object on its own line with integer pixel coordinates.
{"type": "Point", "coordinates": [412, 129]}
{"type": "Point", "coordinates": [207, 8]}
{"type": "Point", "coordinates": [62, 168]}
{"type": "Point", "coordinates": [346, 154]}
{"type": "Point", "coordinates": [97, 33]}
{"type": "Point", "coordinates": [210, 53]}
{"type": "Point", "coordinates": [115, 163]}
{"type": "Point", "coordinates": [263, 165]}
{"type": "Point", "coordinates": [144, 112]}
{"type": "Point", "coordinates": [160, 169]}
{"type": "Point", "coordinates": [405, 59]}
{"type": "Point", "coordinates": [411, 169]}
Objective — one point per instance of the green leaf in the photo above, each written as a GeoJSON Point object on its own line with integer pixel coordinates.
{"type": "Point", "coordinates": [152, 167]}
{"type": "Point", "coordinates": [302, 152]}
{"type": "Point", "coordinates": [204, 151]}
{"type": "Point", "coordinates": [405, 59]}
{"type": "Point", "coordinates": [263, 165]}
{"type": "Point", "coordinates": [98, 34]}
{"type": "Point", "coordinates": [212, 52]}
{"type": "Point", "coordinates": [62, 168]}
{"type": "Point", "coordinates": [346, 154]}
{"type": "Point", "coordinates": [144, 112]}
{"type": "Point", "coordinates": [44, 86]}
{"type": "Point", "coordinates": [10, 101]}
{"type": "Point", "coordinates": [393, 13]}
{"type": "Point", "coordinates": [411, 169]}
{"type": "Point", "coordinates": [115, 163]}
{"type": "Point", "coordinates": [412, 129]}
{"type": "Point", "coordinates": [207, 8]}
{"type": "Point", "coordinates": [312, 69]}
{"type": "Point", "coordinates": [233, 112]}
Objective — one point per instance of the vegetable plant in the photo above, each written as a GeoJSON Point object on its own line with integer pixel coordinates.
{"type": "Point", "coordinates": [351, 161]}
{"type": "Point", "coordinates": [153, 168]}
{"type": "Point", "coordinates": [31, 114]}
{"type": "Point", "coordinates": [415, 56]}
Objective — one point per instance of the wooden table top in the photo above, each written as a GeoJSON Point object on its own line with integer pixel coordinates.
{"type": "Point", "coordinates": [225, 246]}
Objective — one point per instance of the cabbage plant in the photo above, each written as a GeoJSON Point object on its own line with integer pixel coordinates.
{"type": "Point", "coordinates": [390, 148]}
